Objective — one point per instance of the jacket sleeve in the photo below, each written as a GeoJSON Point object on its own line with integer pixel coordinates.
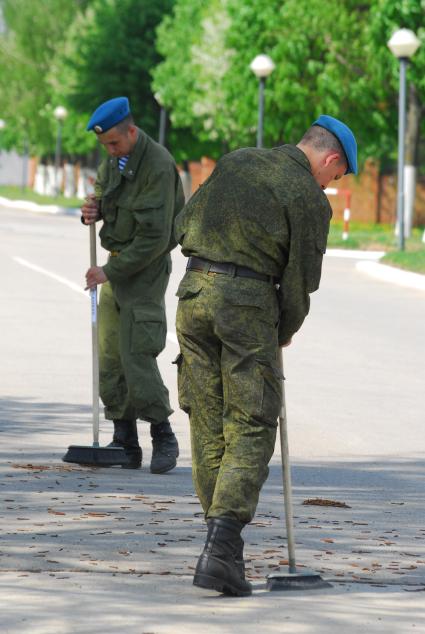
{"type": "Point", "coordinates": [301, 276]}
{"type": "Point", "coordinates": [154, 221]}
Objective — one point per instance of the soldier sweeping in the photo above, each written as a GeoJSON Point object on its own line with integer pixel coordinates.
{"type": "Point", "coordinates": [254, 234]}
{"type": "Point", "coordinates": [137, 195]}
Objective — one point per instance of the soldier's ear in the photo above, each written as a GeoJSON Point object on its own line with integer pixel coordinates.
{"type": "Point", "coordinates": [332, 158]}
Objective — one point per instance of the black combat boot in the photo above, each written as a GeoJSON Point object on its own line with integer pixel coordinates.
{"type": "Point", "coordinates": [221, 567]}
{"type": "Point", "coordinates": [165, 448]}
{"type": "Point", "coordinates": [125, 436]}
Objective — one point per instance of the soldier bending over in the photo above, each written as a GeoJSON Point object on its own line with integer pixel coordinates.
{"type": "Point", "coordinates": [254, 234]}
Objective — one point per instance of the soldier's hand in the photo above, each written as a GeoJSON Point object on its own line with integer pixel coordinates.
{"type": "Point", "coordinates": [95, 276]}
{"type": "Point", "coordinates": [90, 210]}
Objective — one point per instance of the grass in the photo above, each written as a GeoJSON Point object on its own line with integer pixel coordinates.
{"type": "Point", "coordinates": [372, 237]}
{"type": "Point", "coordinates": [16, 193]}
{"type": "Point", "coordinates": [408, 260]}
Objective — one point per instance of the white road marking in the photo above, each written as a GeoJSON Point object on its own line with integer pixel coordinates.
{"type": "Point", "coordinates": [54, 276]}
{"type": "Point", "coordinates": [171, 336]}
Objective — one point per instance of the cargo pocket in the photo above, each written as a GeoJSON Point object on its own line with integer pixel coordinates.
{"type": "Point", "coordinates": [182, 383]}
{"type": "Point", "coordinates": [272, 393]}
{"type": "Point", "coordinates": [149, 329]}
{"type": "Point", "coordinates": [190, 286]}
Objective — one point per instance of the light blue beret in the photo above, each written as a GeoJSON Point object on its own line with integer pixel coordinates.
{"type": "Point", "coordinates": [344, 136]}
{"type": "Point", "coordinates": [109, 114]}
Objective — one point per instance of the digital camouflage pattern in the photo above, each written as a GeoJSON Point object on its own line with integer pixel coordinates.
{"type": "Point", "coordinates": [138, 206]}
{"type": "Point", "coordinates": [264, 210]}
{"type": "Point", "coordinates": [229, 383]}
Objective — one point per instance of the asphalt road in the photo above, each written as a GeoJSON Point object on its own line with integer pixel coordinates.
{"type": "Point", "coordinates": [105, 550]}
{"type": "Point", "coordinates": [355, 372]}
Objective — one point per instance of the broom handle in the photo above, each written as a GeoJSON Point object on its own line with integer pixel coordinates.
{"type": "Point", "coordinates": [286, 473]}
{"type": "Point", "coordinates": [94, 339]}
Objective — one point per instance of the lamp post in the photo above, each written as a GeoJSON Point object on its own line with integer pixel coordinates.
{"type": "Point", "coordinates": [60, 114]}
{"type": "Point", "coordinates": [25, 164]}
{"type": "Point", "coordinates": [262, 66]}
{"type": "Point", "coordinates": [2, 127]}
{"type": "Point", "coordinates": [403, 44]}
{"type": "Point", "coordinates": [162, 120]}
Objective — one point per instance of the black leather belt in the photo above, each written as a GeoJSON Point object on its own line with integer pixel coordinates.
{"type": "Point", "coordinates": [206, 266]}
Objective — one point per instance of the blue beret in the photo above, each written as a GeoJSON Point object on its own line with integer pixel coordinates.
{"type": "Point", "coordinates": [109, 114]}
{"type": "Point", "coordinates": [344, 136]}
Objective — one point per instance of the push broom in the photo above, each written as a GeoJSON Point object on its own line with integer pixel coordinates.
{"type": "Point", "coordinates": [95, 455]}
{"type": "Point", "coordinates": [294, 579]}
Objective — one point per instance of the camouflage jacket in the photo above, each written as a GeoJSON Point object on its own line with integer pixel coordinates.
{"type": "Point", "coordinates": [138, 206]}
{"type": "Point", "coordinates": [263, 209]}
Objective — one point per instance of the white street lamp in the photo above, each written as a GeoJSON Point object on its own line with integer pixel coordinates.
{"type": "Point", "coordinates": [262, 66]}
{"type": "Point", "coordinates": [403, 44]}
{"type": "Point", "coordinates": [60, 114]}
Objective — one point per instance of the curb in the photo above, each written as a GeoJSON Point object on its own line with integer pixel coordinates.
{"type": "Point", "coordinates": [355, 255]}
{"type": "Point", "coordinates": [391, 274]}
{"type": "Point", "coordinates": [368, 264]}
{"type": "Point", "coordinates": [27, 205]}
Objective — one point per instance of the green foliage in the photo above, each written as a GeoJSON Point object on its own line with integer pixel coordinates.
{"type": "Point", "coordinates": [386, 16]}
{"type": "Point", "coordinates": [330, 57]}
{"type": "Point", "coordinates": [189, 79]}
{"type": "Point", "coordinates": [111, 52]}
{"type": "Point", "coordinates": [75, 53]}
{"type": "Point", "coordinates": [194, 55]}
{"type": "Point", "coordinates": [208, 48]}
{"type": "Point", "coordinates": [34, 34]}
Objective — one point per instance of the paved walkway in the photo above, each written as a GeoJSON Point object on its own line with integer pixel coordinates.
{"type": "Point", "coordinates": [98, 550]}
{"type": "Point", "coordinates": [108, 550]}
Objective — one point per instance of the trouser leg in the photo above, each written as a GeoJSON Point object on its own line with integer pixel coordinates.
{"type": "Point", "coordinates": [201, 396]}
{"type": "Point", "coordinates": [252, 397]}
{"type": "Point", "coordinates": [112, 382]}
{"type": "Point", "coordinates": [146, 390]}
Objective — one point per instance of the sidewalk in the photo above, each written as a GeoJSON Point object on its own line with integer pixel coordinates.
{"type": "Point", "coordinates": [27, 205]}
{"type": "Point", "coordinates": [106, 550]}
{"type": "Point", "coordinates": [109, 551]}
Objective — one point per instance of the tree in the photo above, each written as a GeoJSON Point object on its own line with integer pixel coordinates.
{"type": "Point", "coordinates": [179, 78]}
{"type": "Point", "coordinates": [33, 36]}
{"type": "Point", "coordinates": [210, 87]}
{"type": "Point", "coordinates": [387, 16]}
{"type": "Point", "coordinates": [111, 52]}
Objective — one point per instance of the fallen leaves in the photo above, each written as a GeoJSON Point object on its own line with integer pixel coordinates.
{"type": "Point", "coordinates": [324, 502]}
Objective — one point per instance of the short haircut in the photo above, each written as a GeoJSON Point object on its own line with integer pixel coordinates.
{"type": "Point", "coordinates": [124, 124]}
{"type": "Point", "coordinates": [322, 140]}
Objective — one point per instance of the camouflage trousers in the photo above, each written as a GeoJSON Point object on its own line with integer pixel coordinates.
{"type": "Point", "coordinates": [230, 385]}
{"type": "Point", "coordinates": [132, 332]}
